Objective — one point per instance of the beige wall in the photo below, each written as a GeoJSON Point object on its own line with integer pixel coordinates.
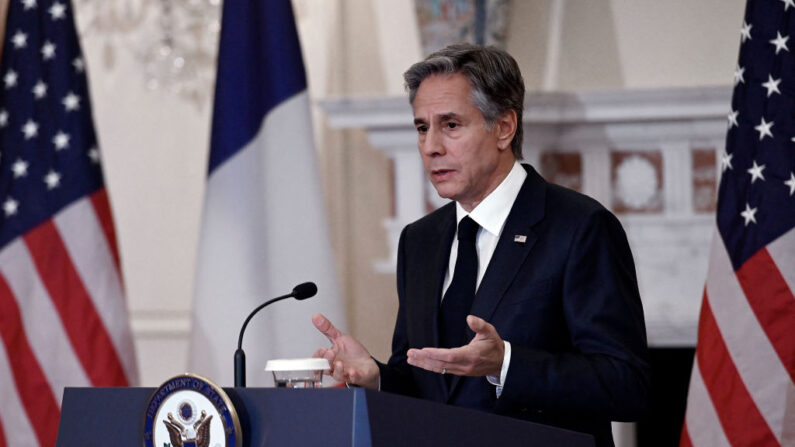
{"type": "Point", "coordinates": [156, 144]}
{"type": "Point", "coordinates": [614, 44]}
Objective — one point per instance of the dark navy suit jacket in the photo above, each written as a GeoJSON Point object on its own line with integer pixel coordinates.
{"type": "Point", "coordinates": [566, 298]}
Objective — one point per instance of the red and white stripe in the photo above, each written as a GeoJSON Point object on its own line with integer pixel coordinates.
{"type": "Point", "coordinates": [63, 319]}
{"type": "Point", "coordinates": [742, 390]}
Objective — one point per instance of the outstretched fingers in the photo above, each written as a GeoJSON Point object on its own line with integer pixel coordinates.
{"type": "Point", "coordinates": [438, 360]}
{"type": "Point", "coordinates": [324, 325]}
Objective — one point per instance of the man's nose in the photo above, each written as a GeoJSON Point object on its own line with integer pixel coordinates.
{"type": "Point", "coordinates": [433, 144]}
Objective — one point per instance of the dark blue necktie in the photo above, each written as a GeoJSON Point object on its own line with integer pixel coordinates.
{"type": "Point", "coordinates": [458, 299]}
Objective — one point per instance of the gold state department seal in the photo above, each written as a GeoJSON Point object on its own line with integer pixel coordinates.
{"type": "Point", "coordinates": [191, 411]}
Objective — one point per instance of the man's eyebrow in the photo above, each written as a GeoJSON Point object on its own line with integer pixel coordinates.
{"type": "Point", "coordinates": [448, 116]}
{"type": "Point", "coordinates": [442, 117]}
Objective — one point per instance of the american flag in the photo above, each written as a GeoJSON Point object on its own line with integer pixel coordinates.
{"type": "Point", "coordinates": [742, 391]}
{"type": "Point", "coordinates": [63, 320]}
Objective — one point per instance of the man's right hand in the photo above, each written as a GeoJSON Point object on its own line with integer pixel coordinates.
{"type": "Point", "coordinates": [349, 360]}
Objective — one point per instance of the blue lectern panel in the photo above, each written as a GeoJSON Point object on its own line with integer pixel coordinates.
{"type": "Point", "coordinates": [326, 417]}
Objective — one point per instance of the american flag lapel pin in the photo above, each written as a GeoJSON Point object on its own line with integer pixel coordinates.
{"type": "Point", "coordinates": [520, 238]}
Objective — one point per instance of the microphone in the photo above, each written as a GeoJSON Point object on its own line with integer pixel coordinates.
{"type": "Point", "coordinates": [304, 290]}
{"type": "Point", "coordinates": [300, 292]}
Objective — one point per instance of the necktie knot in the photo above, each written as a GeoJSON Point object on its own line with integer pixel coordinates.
{"type": "Point", "coordinates": [467, 229]}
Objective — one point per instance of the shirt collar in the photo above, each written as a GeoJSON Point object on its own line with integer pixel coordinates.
{"type": "Point", "coordinates": [492, 212]}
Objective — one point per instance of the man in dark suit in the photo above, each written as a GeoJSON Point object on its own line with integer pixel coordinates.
{"type": "Point", "coordinates": [519, 297]}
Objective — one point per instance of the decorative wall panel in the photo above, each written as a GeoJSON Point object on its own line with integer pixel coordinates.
{"type": "Point", "coordinates": [636, 182]}
{"type": "Point", "coordinates": [705, 180]}
{"type": "Point", "coordinates": [563, 168]}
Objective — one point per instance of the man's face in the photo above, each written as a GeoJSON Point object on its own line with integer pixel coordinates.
{"type": "Point", "coordinates": [460, 155]}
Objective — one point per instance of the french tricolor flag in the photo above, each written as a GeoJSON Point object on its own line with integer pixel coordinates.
{"type": "Point", "coordinates": [264, 222]}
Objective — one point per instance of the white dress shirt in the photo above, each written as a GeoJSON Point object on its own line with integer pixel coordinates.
{"type": "Point", "coordinates": [490, 214]}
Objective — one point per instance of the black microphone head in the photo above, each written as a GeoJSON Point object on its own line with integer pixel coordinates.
{"type": "Point", "coordinates": [304, 290]}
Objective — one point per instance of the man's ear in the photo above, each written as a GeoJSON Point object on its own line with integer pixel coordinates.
{"type": "Point", "coordinates": [506, 129]}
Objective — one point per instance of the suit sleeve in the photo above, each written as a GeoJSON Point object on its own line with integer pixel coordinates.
{"type": "Point", "coordinates": [396, 374]}
{"type": "Point", "coordinates": [606, 374]}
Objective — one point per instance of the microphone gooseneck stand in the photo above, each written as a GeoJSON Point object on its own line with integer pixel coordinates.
{"type": "Point", "coordinates": [300, 292]}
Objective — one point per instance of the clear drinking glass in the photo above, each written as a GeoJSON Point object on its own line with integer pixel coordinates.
{"type": "Point", "coordinates": [297, 373]}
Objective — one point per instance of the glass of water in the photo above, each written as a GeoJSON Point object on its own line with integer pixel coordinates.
{"type": "Point", "coordinates": [297, 373]}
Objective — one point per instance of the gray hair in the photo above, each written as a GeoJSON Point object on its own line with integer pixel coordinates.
{"type": "Point", "coordinates": [497, 83]}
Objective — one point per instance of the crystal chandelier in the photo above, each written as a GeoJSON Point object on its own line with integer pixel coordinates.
{"type": "Point", "coordinates": [175, 41]}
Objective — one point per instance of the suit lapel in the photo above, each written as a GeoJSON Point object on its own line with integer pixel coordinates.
{"type": "Point", "coordinates": [510, 254]}
{"type": "Point", "coordinates": [438, 267]}
{"type": "Point", "coordinates": [515, 243]}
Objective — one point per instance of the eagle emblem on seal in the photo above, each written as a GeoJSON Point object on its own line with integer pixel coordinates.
{"type": "Point", "coordinates": [195, 435]}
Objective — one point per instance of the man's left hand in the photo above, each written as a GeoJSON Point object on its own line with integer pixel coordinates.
{"type": "Point", "coordinates": [481, 357]}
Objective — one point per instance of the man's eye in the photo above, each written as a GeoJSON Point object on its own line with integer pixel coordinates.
{"type": "Point", "coordinates": [422, 129]}
{"type": "Point", "coordinates": [452, 125]}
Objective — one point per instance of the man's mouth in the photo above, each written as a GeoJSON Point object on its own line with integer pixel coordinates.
{"type": "Point", "coordinates": [441, 173]}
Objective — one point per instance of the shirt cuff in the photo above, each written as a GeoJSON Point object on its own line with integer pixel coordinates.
{"type": "Point", "coordinates": [506, 360]}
